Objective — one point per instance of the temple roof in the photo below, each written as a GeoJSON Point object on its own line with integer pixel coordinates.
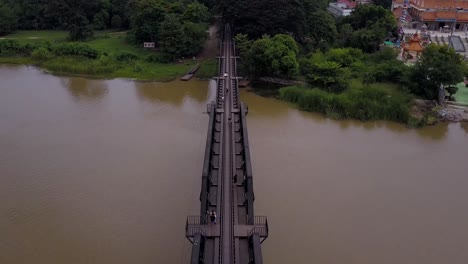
{"type": "Point", "coordinates": [437, 4]}
{"type": "Point", "coordinates": [414, 44]}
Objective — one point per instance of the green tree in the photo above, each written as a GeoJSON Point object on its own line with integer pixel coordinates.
{"type": "Point", "coordinates": [366, 40]}
{"type": "Point", "coordinates": [345, 32]}
{"type": "Point", "coordinates": [383, 3]}
{"type": "Point", "coordinates": [344, 56]}
{"type": "Point", "coordinates": [31, 14]}
{"type": "Point", "coordinates": [195, 37]}
{"type": "Point", "coordinates": [116, 22]}
{"type": "Point", "coordinates": [172, 37]}
{"type": "Point", "coordinates": [101, 20]}
{"type": "Point", "coordinates": [196, 13]}
{"type": "Point", "coordinates": [451, 90]}
{"type": "Point", "coordinates": [256, 18]}
{"type": "Point", "coordinates": [243, 43]}
{"type": "Point", "coordinates": [438, 68]}
{"type": "Point", "coordinates": [74, 15]}
{"type": "Point", "coordinates": [370, 24]}
{"type": "Point", "coordinates": [328, 75]}
{"type": "Point", "coordinates": [7, 19]}
{"type": "Point", "coordinates": [122, 8]}
{"type": "Point", "coordinates": [312, 6]}
{"type": "Point", "coordinates": [146, 17]}
{"type": "Point", "coordinates": [321, 32]}
{"type": "Point", "coordinates": [275, 56]}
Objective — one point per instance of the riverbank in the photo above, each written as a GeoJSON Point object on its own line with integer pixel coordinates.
{"type": "Point", "coordinates": [108, 55]}
{"type": "Point", "coordinates": [377, 101]}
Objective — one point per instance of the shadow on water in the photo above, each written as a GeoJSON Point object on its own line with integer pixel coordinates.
{"type": "Point", "coordinates": [371, 125]}
{"type": "Point", "coordinates": [436, 132]}
{"type": "Point", "coordinates": [85, 89]}
{"type": "Point", "coordinates": [264, 107]}
{"type": "Point", "coordinates": [464, 126]}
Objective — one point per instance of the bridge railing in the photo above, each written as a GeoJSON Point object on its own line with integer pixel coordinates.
{"type": "Point", "coordinates": [260, 227]}
{"type": "Point", "coordinates": [196, 220]}
{"type": "Point", "coordinates": [260, 220]}
{"type": "Point", "coordinates": [193, 226]}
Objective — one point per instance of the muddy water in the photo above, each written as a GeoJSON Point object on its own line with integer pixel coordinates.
{"type": "Point", "coordinates": [95, 171]}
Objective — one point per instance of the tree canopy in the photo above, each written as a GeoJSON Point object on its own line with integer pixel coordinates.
{"type": "Point", "coordinates": [383, 3]}
{"type": "Point", "coordinates": [74, 15]}
{"type": "Point", "coordinates": [7, 19]}
{"type": "Point", "coordinates": [275, 56]}
{"type": "Point", "coordinates": [370, 25]}
{"type": "Point", "coordinates": [256, 18]}
{"type": "Point", "coordinates": [438, 67]}
{"type": "Point", "coordinates": [321, 30]}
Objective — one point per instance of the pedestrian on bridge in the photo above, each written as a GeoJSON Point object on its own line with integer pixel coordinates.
{"type": "Point", "coordinates": [213, 217]}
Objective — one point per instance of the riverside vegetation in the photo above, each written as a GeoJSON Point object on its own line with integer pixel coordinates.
{"type": "Point", "coordinates": [104, 37]}
{"type": "Point", "coordinates": [89, 59]}
{"type": "Point", "coordinates": [345, 70]}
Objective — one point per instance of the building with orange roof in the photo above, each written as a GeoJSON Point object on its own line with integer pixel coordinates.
{"type": "Point", "coordinates": [437, 14]}
{"type": "Point", "coordinates": [413, 48]}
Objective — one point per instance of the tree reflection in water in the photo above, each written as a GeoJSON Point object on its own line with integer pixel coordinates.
{"type": "Point", "coordinates": [85, 89]}
{"type": "Point", "coordinates": [464, 125]}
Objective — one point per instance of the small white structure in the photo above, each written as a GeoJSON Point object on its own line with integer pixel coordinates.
{"type": "Point", "coordinates": [344, 7]}
{"type": "Point", "coordinates": [149, 45]}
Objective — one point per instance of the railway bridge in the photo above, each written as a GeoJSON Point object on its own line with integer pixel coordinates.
{"type": "Point", "coordinates": [227, 184]}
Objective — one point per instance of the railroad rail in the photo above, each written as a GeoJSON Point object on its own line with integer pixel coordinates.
{"type": "Point", "coordinates": [227, 183]}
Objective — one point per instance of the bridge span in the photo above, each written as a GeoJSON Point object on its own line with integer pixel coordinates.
{"type": "Point", "coordinates": [227, 185]}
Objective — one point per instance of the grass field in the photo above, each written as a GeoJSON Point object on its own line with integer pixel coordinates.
{"type": "Point", "coordinates": [108, 43]}
{"type": "Point", "coordinates": [208, 69]}
{"type": "Point", "coordinates": [462, 94]}
{"type": "Point", "coordinates": [31, 36]}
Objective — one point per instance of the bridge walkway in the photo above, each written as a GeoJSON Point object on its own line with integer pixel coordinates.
{"type": "Point", "coordinates": [227, 184]}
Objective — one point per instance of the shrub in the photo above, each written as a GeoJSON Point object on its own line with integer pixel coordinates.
{"type": "Point", "coordinates": [366, 103]}
{"type": "Point", "coordinates": [75, 49]}
{"type": "Point", "coordinates": [41, 54]}
{"type": "Point", "coordinates": [101, 66]}
{"type": "Point", "coordinates": [158, 58]}
{"type": "Point", "coordinates": [8, 46]}
{"type": "Point", "coordinates": [126, 57]}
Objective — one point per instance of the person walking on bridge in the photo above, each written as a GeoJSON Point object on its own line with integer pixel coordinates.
{"type": "Point", "coordinates": [213, 217]}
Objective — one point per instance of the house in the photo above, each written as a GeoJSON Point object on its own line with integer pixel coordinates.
{"type": "Point", "coordinates": [436, 14]}
{"type": "Point", "coordinates": [344, 7]}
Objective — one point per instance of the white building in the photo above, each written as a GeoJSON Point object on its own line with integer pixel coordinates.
{"type": "Point", "coordinates": [344, 7]}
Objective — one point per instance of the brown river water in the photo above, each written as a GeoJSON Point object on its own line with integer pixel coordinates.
{"type": "Point", "coordinates": [106, 171]}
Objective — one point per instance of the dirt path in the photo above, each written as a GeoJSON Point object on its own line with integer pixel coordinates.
{"type": "Point", "coordinates": [210, 49]}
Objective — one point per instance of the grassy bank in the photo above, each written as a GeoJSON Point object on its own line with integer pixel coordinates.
{"type": "Point", "coordinates": [378, 101]}
{"type": "Point", "coordinates": [108, 55]}
{"type": "Point", "coordinates": [208, 69]}
{"type": "Point", "coordinates": [462, 94]}
{"type": "Point", "coordinates": [103, 41]}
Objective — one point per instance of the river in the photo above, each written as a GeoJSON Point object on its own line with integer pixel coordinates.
{"type": "Point", "coordinates": [106, 171]}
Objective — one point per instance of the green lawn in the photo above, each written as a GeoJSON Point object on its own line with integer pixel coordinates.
{"type": "Point", "coordinates": [31, 36]}
{"type": "Point", "coordinates": [462, 94]}
{"type": "Point", "coordinates": [105, 41]}
{"type": "Point", "coordinates": [208, 69]}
